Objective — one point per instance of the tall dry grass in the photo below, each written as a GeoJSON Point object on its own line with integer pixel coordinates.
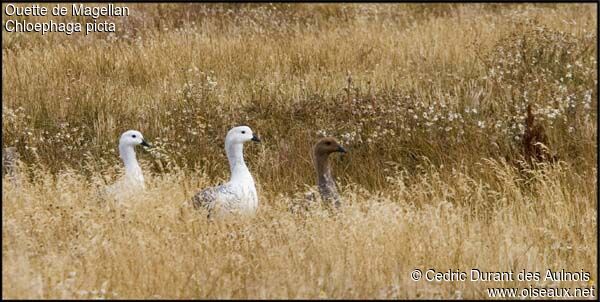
{"type": "Point", "coordinates": [60, 241]}
{"type": "Point", "coordinates": [430, 100]}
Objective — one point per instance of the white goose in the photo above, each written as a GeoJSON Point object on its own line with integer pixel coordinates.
{"type": "Point", "coordinates": [239, 194]}
{"type": "Point", "coordinates": [133, 180]}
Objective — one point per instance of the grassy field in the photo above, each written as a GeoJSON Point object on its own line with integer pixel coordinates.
{"type": "Point", "coordinates": [429, 100]}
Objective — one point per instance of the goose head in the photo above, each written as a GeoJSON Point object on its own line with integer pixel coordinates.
{"type": "Point", "coordinates": [328, 145]}
{"type": "Point", "coordinates": [132, 138]}
{"type": "Point", "coordinates": [240, 135]}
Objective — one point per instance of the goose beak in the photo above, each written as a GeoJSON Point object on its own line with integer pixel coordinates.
{"type": "Point", "coordinates": [145, 144]}
{"type": "Point", "coordinates": [341, 149]}
{"type": "Point", "coordinates": [255, 138]}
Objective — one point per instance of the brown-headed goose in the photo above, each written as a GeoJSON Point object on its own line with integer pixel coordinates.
{"type": "Point", "coordinates": [325, 182]}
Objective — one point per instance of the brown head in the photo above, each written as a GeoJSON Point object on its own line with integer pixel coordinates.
{"type": "Point", "coordinates": [326, 146]}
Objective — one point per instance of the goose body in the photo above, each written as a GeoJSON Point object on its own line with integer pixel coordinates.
{"type": "Point", "coordinates": [325, 182]}
{"type": "Point", "coordinates": [10, 164]}
{"type": "Point", "coordinates": [326, 187]}
{"type": "Point", "coordinates": [238, 195]}
{"type": "Point", "coordinates": [133, 180]}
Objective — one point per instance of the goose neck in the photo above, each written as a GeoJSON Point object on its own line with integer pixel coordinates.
{"type": "Point", "coordinates": [323, 170]}
{"type": "Point", "coordinates": [132, 168]}
{"type": "Point", "coordinates": [237, 165]}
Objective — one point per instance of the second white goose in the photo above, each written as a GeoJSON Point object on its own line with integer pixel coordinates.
{"type": "Point", "coordinates": [239, 194]}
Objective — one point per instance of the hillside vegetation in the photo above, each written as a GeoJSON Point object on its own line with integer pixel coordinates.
{"type": "Point", "coordinates": [445, 170]}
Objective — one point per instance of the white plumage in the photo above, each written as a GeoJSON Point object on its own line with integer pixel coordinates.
{"type": "Point", "coordinates": [239, 194]}
{"type": "Point", "coordinates": [133, 180]}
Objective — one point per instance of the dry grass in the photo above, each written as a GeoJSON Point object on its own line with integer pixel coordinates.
{"type": "Point", "coordinates": [436, 96]}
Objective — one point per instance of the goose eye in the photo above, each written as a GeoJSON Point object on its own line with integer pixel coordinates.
{"type": "Point", "coordinates": [133, 136]}
{"type": "Point", "coordinates": [243, 132]}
